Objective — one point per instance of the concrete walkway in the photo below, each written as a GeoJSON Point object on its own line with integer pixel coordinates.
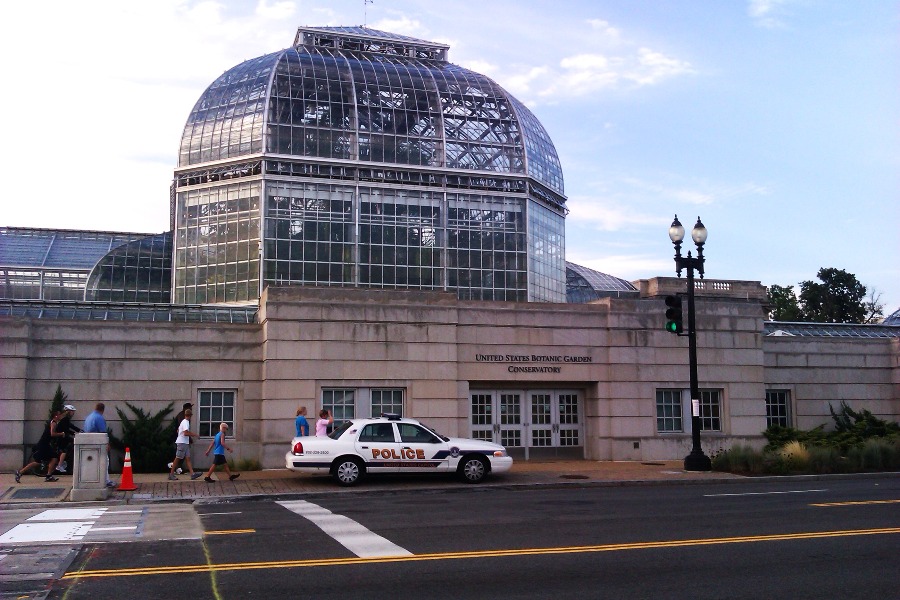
{"type": "Point", "coordinates": [155, 487]}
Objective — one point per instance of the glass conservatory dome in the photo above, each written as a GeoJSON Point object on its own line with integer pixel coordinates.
{"type": "Point", "coordinates": [365, 159]}
{"type": "Point", "coordinates": [360, 94]}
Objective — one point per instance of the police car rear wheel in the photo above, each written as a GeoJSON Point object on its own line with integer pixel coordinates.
{"type": "Point", "coordinates": [473, 469]}
{"type": "Point", "coordinates": [348, 471]}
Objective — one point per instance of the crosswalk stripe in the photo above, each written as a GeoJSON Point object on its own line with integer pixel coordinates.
{"type": "Point", "coordinates": [347, 532]}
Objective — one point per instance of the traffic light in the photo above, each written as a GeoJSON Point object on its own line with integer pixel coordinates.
{"type": "Point", "coordinates": [674, 317]}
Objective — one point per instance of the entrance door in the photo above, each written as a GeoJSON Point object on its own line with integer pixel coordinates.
{"type": "Point", "coordinates": [555, 419]}
{"type": "Point", "coordinates": [543, 421]}
{"type": "Point", "coordinates": [497, 417]}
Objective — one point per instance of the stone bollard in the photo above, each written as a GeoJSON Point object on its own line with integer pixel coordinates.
{"type": "Point", "coordinates": [90, 460]}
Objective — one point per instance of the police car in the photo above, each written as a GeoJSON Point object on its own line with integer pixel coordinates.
{"type": "Point", "coordinates": [390, 444]}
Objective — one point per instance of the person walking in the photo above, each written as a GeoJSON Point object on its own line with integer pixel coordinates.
{"type": "Point", "coordinates": [177, 420]}
{"type": "Point", "coordinates": [183, 445]}
{"type": "Point", "coordinates": [44, 450]}
{"type": "Point", "coordinates": [217, 445]}
{"type": "Point", "coordinates": [300, 423]}
{"type": "Point", "coordinates": [325, 419]}
{"type": "Point", "coordinates": [69, 430]}
{"type": "Point", "coordinates": [95, 423]}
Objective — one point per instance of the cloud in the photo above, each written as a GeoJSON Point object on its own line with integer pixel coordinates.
{"type": "Point", "coordinates": [628, 203]}
{"type": "Point", "coordinates": [697, 192]}
{"type": "Point", "coordinates": [607, 31]}
{"type": "Point", "coordinates": [400, 25]}
{"type": "Point", "coordinates": [607, 215]}
{"type": "Point", "coordinates": [584, 74]}
{"type": "Point", "coordinates": [609, 62]}
{"type": "Point", "coordinates": [766, 13]}
{"type": "Point", "coordinates": [625, 266]}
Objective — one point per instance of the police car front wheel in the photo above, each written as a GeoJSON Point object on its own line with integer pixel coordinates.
{"type": "Point", "coordinates": [348, 471]}
{"type": "Point", "coordinates": [473, 469]}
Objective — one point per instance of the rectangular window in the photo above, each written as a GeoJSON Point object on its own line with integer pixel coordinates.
{"type": "Point", "coordinates": [710, 410]}
{"type": "Point", "coordinates": [361, 403]}
{"type": "Point", "coordinates": [215, 407]}
{"type": "Point", "coordinates": [341, 403]}
{"type": "Point", "coordinates": [668, 411]}
{"type": "Point", "coordinates": [778, 408]}
{"type": "Point", "coordinates": [387, 401]}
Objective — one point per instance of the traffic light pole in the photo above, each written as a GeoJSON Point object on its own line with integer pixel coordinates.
{"type": "Point", "coordinates": [696, 460]}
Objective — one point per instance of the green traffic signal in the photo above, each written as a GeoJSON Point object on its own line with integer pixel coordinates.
{"type": "Point", "coordinates": [674, 314]}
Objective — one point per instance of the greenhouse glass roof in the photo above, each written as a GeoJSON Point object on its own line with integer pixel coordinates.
{"type": "Point", "coordinates": [354, 93]}
{"type": "Point", "coordinates": [584, 285]}
{"type": "Point", "coordinates": [842, 330]}
{"type": "Point", "coordinates": [26, 247]}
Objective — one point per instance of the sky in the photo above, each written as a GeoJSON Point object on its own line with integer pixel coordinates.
{"type": "Point", "coordinates": [777, 122]}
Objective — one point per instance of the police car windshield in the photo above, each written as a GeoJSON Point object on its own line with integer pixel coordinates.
{"type": "Point", "coordinates": [339, 430]}
{"type": "Point", "coordinates": [443, 437]}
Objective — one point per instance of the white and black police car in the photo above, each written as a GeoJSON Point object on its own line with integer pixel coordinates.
{"type": "Point", "coordinates": [391, 444]}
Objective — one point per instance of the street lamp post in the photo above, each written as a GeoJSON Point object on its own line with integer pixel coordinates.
{"type": "Point", "coordinates": [696, 460]}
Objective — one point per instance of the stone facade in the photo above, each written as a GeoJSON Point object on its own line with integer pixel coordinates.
{"type": "Point", "coordinates": [611, 355]}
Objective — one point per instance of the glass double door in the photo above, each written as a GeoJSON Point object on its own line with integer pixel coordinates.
{"type": "Point", "coordinates": [528, 419]}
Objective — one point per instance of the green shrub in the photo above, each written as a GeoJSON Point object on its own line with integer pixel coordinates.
{"type": "Point", "coordinates": [774, 464]}
{"type": "Point", "coordinates": [147, 437]}
{"type": "Point", "coordinates": [738, 459]}
{"type": "Point", "coordinates": [823, 459]}
{"type": "Point", "coordinates": [878, 454]}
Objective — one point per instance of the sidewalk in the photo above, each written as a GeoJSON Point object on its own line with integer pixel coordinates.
{"type": "Point", "coordinates": [155, 487]}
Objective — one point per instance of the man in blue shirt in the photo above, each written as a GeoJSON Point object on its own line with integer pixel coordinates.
{"type": "Point", "coordinates": [95, 423]}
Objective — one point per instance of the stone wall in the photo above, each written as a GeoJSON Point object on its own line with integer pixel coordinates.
{"type": "Point", "coordinates": [821, 372]}
{"type": "Point", "coordinates": [146, 364]}
{"type": "Point", "coordinates": [614, 352]}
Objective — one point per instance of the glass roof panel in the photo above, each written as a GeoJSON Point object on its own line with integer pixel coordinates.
{"type": "Point", "coordinates": [362, 94]}
{"type": "Point", "coordinates": [57, 248]}
{"type": "Point", "coordinates": [848, 330]}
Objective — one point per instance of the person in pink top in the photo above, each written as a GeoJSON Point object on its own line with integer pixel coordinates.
{"type": "Point", "coordinates": [325, 419]}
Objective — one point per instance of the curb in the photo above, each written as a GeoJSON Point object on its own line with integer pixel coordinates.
{"type": "Point", "coordinates": [454, 488]}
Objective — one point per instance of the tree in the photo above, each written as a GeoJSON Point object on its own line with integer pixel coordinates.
{"type": "Point", "coordinates": [838, 299]}
{"type": "Point", "coordinates": [874, 307]}
{"type": "Point", "coordinates": [783, 304]}
{"type": "Point", "coordinates": [59, 400]}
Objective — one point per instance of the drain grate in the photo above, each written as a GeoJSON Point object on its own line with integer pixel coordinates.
{"type": "Point", "coordinates": [36, 493]}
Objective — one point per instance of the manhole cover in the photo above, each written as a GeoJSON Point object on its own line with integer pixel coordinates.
{"type": "Point", "coordinates": [36, 493]}
{"type": "Point", "coordinates": [573, 477]}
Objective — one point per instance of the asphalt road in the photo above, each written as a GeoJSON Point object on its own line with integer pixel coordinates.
{"type": "Point", "coordinates": [786, 539]}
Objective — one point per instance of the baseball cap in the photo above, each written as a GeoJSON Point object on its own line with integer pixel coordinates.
{"type": "Point", "coordinates": [187, 405]}
{"type": "Point", "coordinates": [68, 407]}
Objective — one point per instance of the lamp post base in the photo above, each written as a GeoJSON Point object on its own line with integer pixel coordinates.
{"type": "Point", "coordinates": [697, 461]}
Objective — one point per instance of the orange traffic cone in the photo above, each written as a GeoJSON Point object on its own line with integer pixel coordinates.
{"type": "Point", "coordinates": [127, 483]}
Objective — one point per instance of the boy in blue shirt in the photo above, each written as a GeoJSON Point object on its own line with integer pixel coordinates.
{"type": "Point", "coordinates": [218, 447]}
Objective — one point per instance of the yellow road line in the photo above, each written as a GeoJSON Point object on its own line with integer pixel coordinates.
{"type": "Point", "coordinates": [331, 562]}
{"type": "Point", "coordinates": [857, 503]}
{"type": "Point", "coordinates": [229, 531]}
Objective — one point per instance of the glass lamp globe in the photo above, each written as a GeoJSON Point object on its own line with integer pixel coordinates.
{"type": "Point", "coordinates": [698, 234]}
{"type": "Point", "coordinates": [676, 231]}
